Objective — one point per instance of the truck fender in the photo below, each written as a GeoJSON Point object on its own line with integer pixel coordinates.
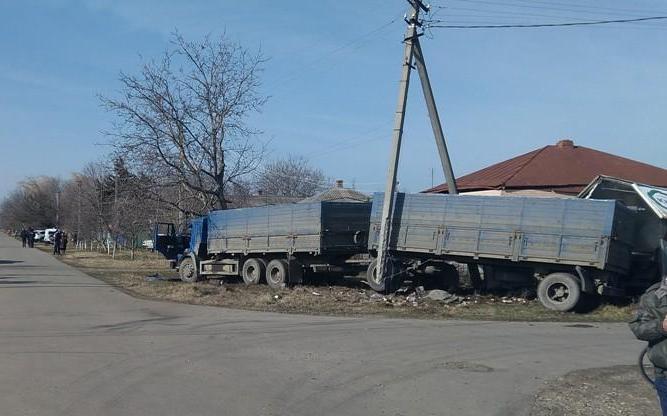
{"type": "Point", "coordinates": [587, 284]}
{"type": "Point", "coordinates": [193, 256]}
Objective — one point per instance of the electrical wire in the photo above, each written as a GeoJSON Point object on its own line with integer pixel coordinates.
{"type": "Point", "coordinates": [537, 25]}
{"type": "Point", "coordinates": [578, 7]}
{"type": "Point", "coordinates": [511, 9]}
{"type": "Point", "coordinates": [291, 76]}
{"type": "Point", "coordinates": [541, 6]}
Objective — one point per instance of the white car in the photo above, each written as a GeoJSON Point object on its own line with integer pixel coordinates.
{"type": "Point", "coordinates": [48, 235]}
{"type": "Point", "coordinates": [39, 235]}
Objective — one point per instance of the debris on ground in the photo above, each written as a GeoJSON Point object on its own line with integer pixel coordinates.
{"type": "Point", "coordinates": [156, 277]}
{"type": "Point", "coordinates": [442, 296]}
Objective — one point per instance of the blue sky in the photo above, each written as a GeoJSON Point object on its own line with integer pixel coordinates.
{"type": "Point", "coordinates": [332, 76]}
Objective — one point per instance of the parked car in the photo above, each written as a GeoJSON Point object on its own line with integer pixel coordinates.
{"type": "Point", "coordinates": [48, 235]}
{"type": "Point", "coordinates": [39, 235]}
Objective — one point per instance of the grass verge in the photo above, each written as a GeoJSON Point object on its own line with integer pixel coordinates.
{"type": "Point", "coordinates": [348, 299]}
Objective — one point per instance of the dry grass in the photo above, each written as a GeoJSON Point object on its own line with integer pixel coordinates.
{"type": "Point", "coordinates": [348, 298]}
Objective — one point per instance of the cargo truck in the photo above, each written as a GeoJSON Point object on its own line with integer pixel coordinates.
{"type": "Point", "coordinates": [275, 244]}
{"type": "Point", "coordinates": [567, 249]}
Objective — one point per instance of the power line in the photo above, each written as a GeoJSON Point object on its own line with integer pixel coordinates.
{"type": "Point", "coordinates": [510, 26]}
{"type": "Point", "coordinates": [541, 6]}
{"type": "Point", "coordinates": [295, 74]}
{"type": "Point", "coordinates": [583, 6]}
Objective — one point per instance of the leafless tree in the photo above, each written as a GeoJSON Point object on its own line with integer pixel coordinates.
{"type": "Point", "coordinates": [182, 122]}
{"type": "Point", "coordinates": [35, 203]}
{"type": "Point", "coordinates": [290, 177]}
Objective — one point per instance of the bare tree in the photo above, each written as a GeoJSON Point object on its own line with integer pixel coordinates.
{"type": "Point", "coordinates": [291, 177]}
{"type": "Point", "coordinates": [182, 122]}
{"type": "Point", "coordinates": [35, 202]}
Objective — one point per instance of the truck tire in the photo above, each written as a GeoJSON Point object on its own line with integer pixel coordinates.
{"type": "Point", "coordinates": [559, 292]}
{"type": "Point", "coordinates": [276, 274]}
{"type": "Point", "coordinates": [388, 284]}
{"type": "Point", "coordinates": [253, 271]}
{"type": "Point", "coordinates": [187, 270]}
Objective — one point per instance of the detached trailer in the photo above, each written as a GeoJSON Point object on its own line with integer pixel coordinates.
{"type": "Point", "coordinates": [569, 247]}
{"type": "Point", "coordinates": [273, 244]}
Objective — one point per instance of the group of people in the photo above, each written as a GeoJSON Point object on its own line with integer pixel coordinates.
{"type": "Point", "coordinates": [59, 242]}
{"type": "Point", "coordinates": [28, 237]}
{"type": "Point", "coordinates": [59, 239]}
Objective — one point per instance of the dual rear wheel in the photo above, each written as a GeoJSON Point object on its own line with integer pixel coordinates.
{"type": "Point", "coordinates": [275, 272]}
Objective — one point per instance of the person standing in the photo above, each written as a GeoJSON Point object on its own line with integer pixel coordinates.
{"type": "Point", "coordinates": [31, 237]}
{"type": "Point", "coordinates": [650, 324]}
{"type": "Point", "coordinates": [57, 240]}
{"type": "Point", "coordinates": [63, 245]}
{"type": "Point", "coordinates": [24, 237]}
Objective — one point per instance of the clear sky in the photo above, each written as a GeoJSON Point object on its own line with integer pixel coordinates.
{"type": "Point", "coordinates": [333, 77]}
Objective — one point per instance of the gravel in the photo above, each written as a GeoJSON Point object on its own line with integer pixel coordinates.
{"type": "Point", "coordinates": [611, 391]}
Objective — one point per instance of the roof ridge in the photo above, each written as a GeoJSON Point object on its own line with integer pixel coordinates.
{"type": "Point", "coordinates": [639, 162]}
{"type": "Point", "coordinates": [516, 172]}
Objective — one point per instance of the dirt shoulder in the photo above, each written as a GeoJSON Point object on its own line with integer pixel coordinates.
{"type": "Point", "coordinates": [148, 276]}
{"type": "Point", "coordinates": [609, 391]}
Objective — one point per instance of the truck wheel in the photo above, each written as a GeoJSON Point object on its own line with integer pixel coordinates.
{"type": "Point", "coordinates": [559, 292]}
{"type": "Point", "coordinates": [276, 274]}
{"type": "Point", "coordinates": [381, 286]}
{"type": "Point", "coordinates": [253, 270]}
{"type": "Point", "coordinates": [187, 270]}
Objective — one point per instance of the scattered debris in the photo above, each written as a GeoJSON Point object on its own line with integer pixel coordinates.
{"type": "Point", "coordinates": [156, 277]}
{"type": "Point", "coordinates": [419, 290]}
{"type": "Point", "coordinates": [403, 290]}
{"type": "Point", "coordinates": [316, 294]}
{"type": "Point", "coordinates": [443, 296]}
{"type": "Point", "coordinates": [437, 294]}
{"type": "Point", "coordinates": [376, 297]}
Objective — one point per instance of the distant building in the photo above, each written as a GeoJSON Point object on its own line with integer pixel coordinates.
{"type": "Point", "coordinates": [338, 194]}
{"type": "Point", "coordinates": [553, 170]}
{"type": "Point", "coordinates": [260, 200]}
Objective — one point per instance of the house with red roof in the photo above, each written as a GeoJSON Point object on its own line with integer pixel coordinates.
{"type": "Point", "coordinates": [560, 169]}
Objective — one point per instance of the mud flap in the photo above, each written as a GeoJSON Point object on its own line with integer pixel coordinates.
{"type": "Point", "coordinates": [294, 272]}
{"type": "Point", "coordinates": [475, 277]}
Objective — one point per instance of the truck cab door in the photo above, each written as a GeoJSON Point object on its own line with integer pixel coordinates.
{"type": "Point", "coordinates": [165, 241]}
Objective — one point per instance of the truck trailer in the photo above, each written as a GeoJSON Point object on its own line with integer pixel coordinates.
{"type": "Point", "coordinates": [567, 247]}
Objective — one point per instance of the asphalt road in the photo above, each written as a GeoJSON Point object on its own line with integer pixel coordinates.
{"type": "Point", "coordinates": [71, 345]}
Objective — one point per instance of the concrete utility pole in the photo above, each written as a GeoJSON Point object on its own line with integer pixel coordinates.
{"type": "Point", "coordinates": [435, 119]}
{"type": "Point", "coordinates": [412, 50]}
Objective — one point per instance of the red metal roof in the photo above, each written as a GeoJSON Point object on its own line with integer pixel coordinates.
{"type": "Point", "coordinates": [563, 167]}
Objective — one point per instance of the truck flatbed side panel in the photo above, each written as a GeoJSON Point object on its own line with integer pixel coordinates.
{"type": "Point", "coordinates": [548, 230]}
{"type": "Point", "coordinates": [306, 227]}
{"type": "Point", "coordinates": [288, 228]}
